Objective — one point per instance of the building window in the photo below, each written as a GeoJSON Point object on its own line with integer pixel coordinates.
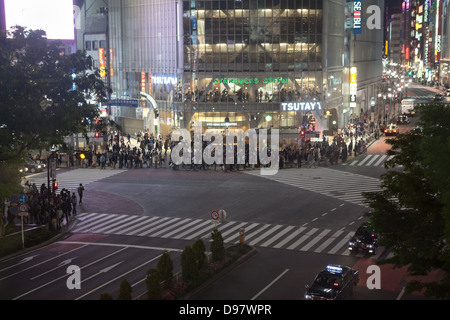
{"type": "Point", "coordinates": [95, 45]}
{"type": "Point", "coordinates": [103, 44]}
{"type": "Point", "coordinates": [88, 45]}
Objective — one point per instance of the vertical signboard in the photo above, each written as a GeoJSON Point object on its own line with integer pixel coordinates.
{"type": "Point", "coordinates": [101, 62]}
{"type": "Point", "coordinates": [353, 86]}
{"type": "Point", "coordinates": [437, 39]}
{"type": "Point", "coordinates": [111, 62]}
{"type": "Point", "coordinates": [143, 82]}
{"type": "Point", "coordinates": [357, 16]}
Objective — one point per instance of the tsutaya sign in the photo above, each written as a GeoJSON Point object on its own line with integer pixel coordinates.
{"type": "Point", "coordinates": [300, 106]}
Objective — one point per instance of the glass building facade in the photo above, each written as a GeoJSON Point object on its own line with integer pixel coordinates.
{"type": "Point", "coordinates": [231, 64]}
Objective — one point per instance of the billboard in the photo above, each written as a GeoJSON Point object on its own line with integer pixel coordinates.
{"type": "Point", "coordinates": [55, 17]}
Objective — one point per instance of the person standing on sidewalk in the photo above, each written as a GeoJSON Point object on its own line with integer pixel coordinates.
{"type": "Point", "coordinates": [80, 192]}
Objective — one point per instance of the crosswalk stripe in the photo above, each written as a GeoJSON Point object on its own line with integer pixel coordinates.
{"type": "Point", "coordinates": [262, 235]}
{"type": "Point", "coordinates": [275, 238]}
{"type": "Point", "coordinates": [135, 220]}
{"type": "Point", "coordinates": [341, 243]}
{"type": "Point", "coordinates": [364, 160]}
{"type": "Point", "coordinates": [329, 241]}
{"type": "Point", "coordinates": [172, 226]}
{"type": "Point", "coordinates": [134, 226]}
{"type": "Point", "coordinates": [329, 182]}
{"type": "Point", "coordinates": [233, 229]}
{"type": "Point", "coordinates": [250, 235]}
{"type": "Point", "coordinates": [381, 159]}
{"type": "Point", "coordinates": [205, 230]}
{"type": "Point", "coordinates": [182, 235]}
{"type": "Point", "coordinates": [145, 227]}
{"type": "Point", "coordinates": [118, 221]}
{"type": "Point", "coordinates": [158, 227]}
{"type": "Point", "coordinates": [290, 237]}
{"type": "Point", "coordinates": [302, 239]}
{"type": "Point", "coordinates": [315, 240]}
{"type": "Point", "coordinates": [71, 179]}
{"type": "Point", "coordinates": [98, 218]}
{"type": "Point", "coordinates": [372, 160]}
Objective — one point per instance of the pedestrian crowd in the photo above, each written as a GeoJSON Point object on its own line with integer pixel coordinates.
{"type": "Point", "coordinates": [120, 154]}
{"type": "Point", "coordinates": [155, 153]}
{"type": "Point", "coordinates": [49, 207]}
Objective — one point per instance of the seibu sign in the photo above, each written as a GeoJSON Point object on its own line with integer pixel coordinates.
{"type": "Point", "coordinates": [300, 106]}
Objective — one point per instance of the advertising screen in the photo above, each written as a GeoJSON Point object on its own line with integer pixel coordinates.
{"type": "Point", "coordinates": [55, 17]}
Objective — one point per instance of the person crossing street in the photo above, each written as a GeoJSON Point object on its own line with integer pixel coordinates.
{"type": "Point", "coordinates": [80, 193]}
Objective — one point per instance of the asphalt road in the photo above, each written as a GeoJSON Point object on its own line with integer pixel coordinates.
{"type": "Point", "coordinates": [310, 204]}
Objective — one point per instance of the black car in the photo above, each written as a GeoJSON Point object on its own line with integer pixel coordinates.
{"type": "Point", "coordinates": [336, 282]}
{"type": "Point", "coordinates": [438, 97]}
{"type": "Point", "coordinates": [402, 119]}
{"type": "Point", "coordinates": [365, 239]}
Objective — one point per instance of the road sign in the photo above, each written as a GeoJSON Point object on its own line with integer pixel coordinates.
{"type": "Point", "coordinates": [14, 209]}
{"type": "Point", "coordinates": [23, 198]}
{"type": "Point", "coordinates": [215, 215]}
{"type": "Point", "coordinates": [23, 207]}
{"type": "Point", "coordinates": [14, 198]}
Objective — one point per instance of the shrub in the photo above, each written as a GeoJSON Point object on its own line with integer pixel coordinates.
{"type": "Point", "coordinates": [106, 296]}
{"type": "Point", "coordinates": [199, 253]}
{"type": "Point", "coordinates": [189, 268]}
{"type": "Point", "coordinates": [125, 291]}
{"type": "Point", "coordinates": [165, 269]}
{"type": "Point", "coordinates": [153, 282]}
{"type": "Point", "coordinates": [217, 247]}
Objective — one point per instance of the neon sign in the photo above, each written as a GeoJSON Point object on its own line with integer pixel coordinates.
{"type": "Point", "coordinates": [101, 62]}
{"type": "Point", "coordinates": [250, 80]}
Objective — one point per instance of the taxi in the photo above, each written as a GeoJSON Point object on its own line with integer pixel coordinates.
{"type": "Point", "coordinates": [335, 282]}
{"type": "Point", "coordinates": [391, 130]}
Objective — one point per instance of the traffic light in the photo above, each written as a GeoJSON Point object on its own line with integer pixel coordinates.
{"type": "Point", "coordinates": [55, 186]}
{"type": "Point", "coordinates": [96, 135]}
{"type": "Point", "coordinates": [302, 133]}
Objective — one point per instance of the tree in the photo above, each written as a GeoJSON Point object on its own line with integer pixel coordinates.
{"type": "Point", "coordinates": [412, 211]}
{"type": "Point", "coordinates": [125, 291]}
{"type": "Point", "coordinates": [189, 268]}
{"type": "Point", "coordinates": [106, 296]}
{"type": "Point", "coordinates": [199, 253]}
{"type": "Point", "coordinates": [165, 268]}
{"type": "Point", "coordinates": [217, 247]}
{"type": "Point", "coordinates": [38, 104]}
{"type": "Point", "coordinates": [153, 282]}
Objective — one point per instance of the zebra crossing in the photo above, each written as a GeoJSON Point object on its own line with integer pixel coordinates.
{"type": "Point", "coordinates": [423, 97]}
{"type": "Point", "coordinates": [372, 160]}
{"type": "Point", "coordinates": [338, 184]}
{"type": "Point", "coordinates": [287, 237]}
{"type": "Point", "coordinates": [71, 179]}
